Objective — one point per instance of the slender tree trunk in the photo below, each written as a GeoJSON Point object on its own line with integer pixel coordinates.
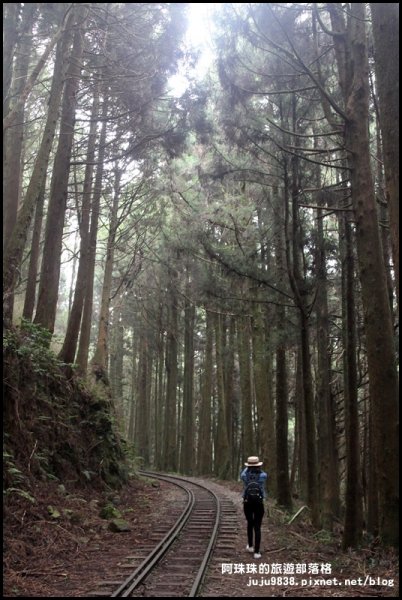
{"type": "Point", "coordinates": [263, 392]}
{"type": "Point", "coordinates": [85, 336]}
{"type": "Point", "coordinates": [283, 494]}
{"type": "Point", "coordinates": [222, 451]}
{"type": "Point", "coordinates": [204, 436]}
{"type": "Point", "coordinates": [12, 114]}
{"type": "Point", "coordinates": [50, 275]}
{"type": "Point", "coordinates": [74, 268]}
{"type": "Point", "coordinates": [281, 471]}
{"type": "Point", "coordinates": [328, 465]}
{"type": "Point", "coordinates": [187, 449]}
{"type": "Point", "coordinates": [309, 419]}
{"type": "Point", "coordinates": [301, 444]}
{"type": "Point", "coordinates": [231, 397]}
{"type": "Point", "coordinates": [13, 253]}
{"type": "Point", "coordinates": [10, 28]}
{"type": "Point", "coordinates": [383, 380]}
{"type": "Point", "coordinates": [14, 136]}
{"type": "Point", "coordinates": [99, 361]}
{"type": "Point", "coordinates": [385, 18]}
{"type": "Point", "coordinates": [142, 422]}
{"type": "Point", "coordinates": [383, 216]}
{"type": "Point", "coordinates": [373, 509]}
{"type": "Point", "coordinates": [170, 453]}
{"type": "Point", "coordinates": [352, 532]}
{"type": "Point", "coordinates": [30, 292]}
{"type": "Point", "coordinates": [116, 374]}
{"type": "Point", "coordinates": [67, 353]}
{"type": "Point", "coordinates": [133, 396]}
{"type": "Point", "coordinates": [159, 397]}
{"type": "Point", "coordinates": [294, 255]}
{"type": "Point", "coordinates": [249, 442]}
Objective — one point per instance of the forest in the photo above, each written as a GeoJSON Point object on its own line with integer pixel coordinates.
{"type": "Point", "coordinates": [218, 263]}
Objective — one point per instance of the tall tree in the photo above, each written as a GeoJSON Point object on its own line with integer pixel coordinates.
{"type": "Point", "coordinates": [204, 454]}
{"type": "Point", "coordinates": [170, 418]}
{"type": "Point", "coordinates": [13, 141]}
{"type": "Point", "coordinates": [283, 489]}
{"type": "Point", "coordinates": [249, 443]}
{"type": "Point", "coordinates": [68, 351]}
{"type": "Point", "coordinates": [85, 335]}
{"type": "Point", "coordinates": [222, 452]}
{"type": "Point", "coordinates": [99, 360]}
{"type": "Point", "coordinates": [188, 447]}
{"type": "Point", "coordinates": [386, 39]}
{"type": "Point", "coordinates": [353, 498]}
{"type": "Point", "coordinates": [10, 26]}
{"type": "Point", "coordinates": [352, 62]}
{"type": "Point", "coordinates": [13, 252]}
{"type": "Point", "coordinates": [50, 274]}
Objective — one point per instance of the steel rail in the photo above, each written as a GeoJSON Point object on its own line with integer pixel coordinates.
{"type": "Point", "coordinates": [137, 576]}
{"type": "Point", "coordinates": [150, 561]}
{"type": "Point", "coordinates": [207, 555]}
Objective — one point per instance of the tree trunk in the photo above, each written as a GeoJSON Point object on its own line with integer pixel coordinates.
{"type": "Point", "coordinates": [385, 18]}
{"type": "Point", "coordinates": [85, 336]}
{"type": "Point", "coordinates": [204, 435]}
{"type": "Point", "coordinates": [116, 373]}
{"type": "Point", "coordinates": [281, 471]}
{"type": "Point", "coordinates": [187, 449]}
{"type": "Point", "coordinates": [352, 532]}
{"type": "Point", "coordinates": [351, 55]}
{"type": "Point", "coordinates": [13, 140]}
{"type": "Point", "coordinates": [30, 292]}
{"type": "Point", "coordinates": [10, 28]}
{"type": "Point", "coordinates": [142, 421]}
{"type": "Point", "coordinates": [99, 361]}
{"type": "Point", "coordinates": [133, 395]}
{"type": "Point", "coordinates": [222, 452]}
{"type": "Point", "coordinates": [159, 396]}
{"type": "Point", "coordinates": [300, 433]}
{"type": "Point", "coordinates": [263, 392]}
{"type": "Point", "coordinates": [283, 494]}
{"type": "Point", "coordinates": [383, 379]}
{"type": "Point", "coordinates": [13, 253]}
{"type": "Point", "coordinates": [243, 338]}
{"type": "Point", "coordinates": [50, 275]}
{"type": "Point", "coordinates": [170, 455]}
{"type": "Point", "coordinates": [298, 284]}
{"type": "Point", "coordinates": [231, 397]}
{"type": "Point", "coordinates": [373, 516]}
{"type": "Point", "coordinates": [67, 353]}
{"type": "Point", "coordinates": [328, 465]}
{"type": "Point", "coordinates": [12, 114]}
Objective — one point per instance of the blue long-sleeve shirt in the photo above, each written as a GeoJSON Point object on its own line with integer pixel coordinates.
{"type": "Point", "coordinates": [262, 477]}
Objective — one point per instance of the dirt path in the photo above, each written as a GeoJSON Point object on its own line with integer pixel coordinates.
{"type": "Point", "coordinates": [295, 562]}
{"type": "Point", "coordinates": [51, 556]}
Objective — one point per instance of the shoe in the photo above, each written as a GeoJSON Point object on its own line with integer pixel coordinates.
{"type": "Point", "coordinates": [249, 548]}
{"type": "Point", "coordinates": [257, 555]}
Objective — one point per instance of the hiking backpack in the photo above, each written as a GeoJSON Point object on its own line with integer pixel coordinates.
{"type": "Point", "coordinates": [253, 492]}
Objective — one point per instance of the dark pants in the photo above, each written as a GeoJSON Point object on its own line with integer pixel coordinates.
{"type": "Point", "coordinates": [254, 512]}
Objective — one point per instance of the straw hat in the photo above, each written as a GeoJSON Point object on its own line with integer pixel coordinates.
{"type": "Point", "coordinates": [253, 461]}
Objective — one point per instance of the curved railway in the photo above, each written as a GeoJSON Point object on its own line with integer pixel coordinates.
{"type": "Point", "coordinates": [177, 564]}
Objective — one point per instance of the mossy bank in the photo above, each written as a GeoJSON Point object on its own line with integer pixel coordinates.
{"type": "Point", "coordinates": [56, 426]}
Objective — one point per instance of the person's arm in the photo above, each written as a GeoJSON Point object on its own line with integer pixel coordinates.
{"type": "Point", "coordinates": [243, 477]}
{"type": "Point", "coordinates": [263, 479]}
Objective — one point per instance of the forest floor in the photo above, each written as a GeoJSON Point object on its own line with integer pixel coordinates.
{"type": "Point", "coordinates": [60, 546]}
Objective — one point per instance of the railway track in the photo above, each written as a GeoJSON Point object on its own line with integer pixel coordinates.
{"type": "Point", "coordinates": [177, 563]}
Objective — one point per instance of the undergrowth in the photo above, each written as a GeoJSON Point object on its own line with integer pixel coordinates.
{"type": "Point", "coordinates": [57, 426]}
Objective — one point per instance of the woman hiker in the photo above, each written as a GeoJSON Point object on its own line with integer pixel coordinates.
{"type": "Point", "coordinates": [254, 479]}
